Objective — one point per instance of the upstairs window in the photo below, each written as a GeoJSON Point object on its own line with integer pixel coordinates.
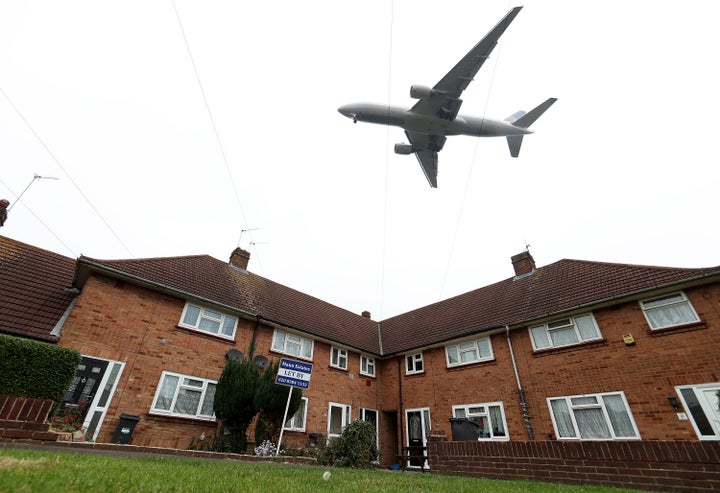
{"type": "Point", "coordinates": [367, 366]}
{"type": "Point", "coordinates": [469, 352]}
{"type": "Point", "coordinates": [184, 396]}
{"type": "Point", "coordinates": [669, 311]}
{"type": "Point", "coordinates": [210, 321]}
{"type": "Point", "coordinates": [338, 358]}
{"type": "Point", "coordinates": [292, 345]}
{"type": "Point", "coordinates": [414, 364]}
{"type": "Point", "coordinates": [593, 417]}
{"type": "Point", "coordinates": [488, 419]}
{"type": "Point", "coordinates": [565, 332]}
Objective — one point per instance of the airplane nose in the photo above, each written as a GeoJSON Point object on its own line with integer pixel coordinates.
{"type": "Point", "coordinates": [349, 111]}
{"type": "Point", "coordinates": [344, 110]}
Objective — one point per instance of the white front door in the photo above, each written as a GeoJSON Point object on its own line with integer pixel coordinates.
{"type": "Point", "coordinates": [417, 429]}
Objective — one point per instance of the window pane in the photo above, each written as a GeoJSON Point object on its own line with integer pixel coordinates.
{"type": "Point", "coordinates": [452, 355]}
{"type": "Point", "coordinates": [619, 418]}
{"type": "Point", "coordinates": [460, 412]}
{"type": "Point", "coordinates": [211, 314]}
{"type": "Point", "coordinates": [191, 315]}
{"type": "Point", "coordinates": [207, 407]}
{"type": "Point", "coordinates": [228, 327]}
{"type": "Point", "coordinates": [209, 325]}
{"type": "Point", "coordinates": [187, 402]}
{"type": "Point", "coordinates": [664, 300]}
{"type": "Point", "coordinates": [418, 362]}
{"type": "Point", "coordinates": [167, 392]}
{"type": "Point", "coordinates": [336, 416]}
{"type": "Point", "coordinates": [306, 351]}
{"type": "Point", "coordinates": [496, 421]}
{"type": "Point", "coordinates": [587, 328]}
{"type": "Point", "coordinates": [563, 421]}
{"type": "Point", "coordinates": [484, 347]}
{"type": "Point", "coordinates": [560, 323]}
{"type": "Point", "coordinates": [563, 337]}
{"type": "Point", "coordinates": [540, 338]}
{"type": "Point", "coordinates": [468, 353]}
{"type": "Point", "coordinates": [191, 382]}
{"type": "Point", "coordinates": [670, 315]}
{"type": "Point", "coordinates": [278, 343]}
{"type": "Point", "coordinates": [584, 401]}
{"type": "Point", "coordinates": [591, 423]}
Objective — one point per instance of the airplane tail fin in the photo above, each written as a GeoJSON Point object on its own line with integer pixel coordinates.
{"type": "Point", "coordinates": [524, 120]}
{"type": "Point", "coordinates": [529, 118]}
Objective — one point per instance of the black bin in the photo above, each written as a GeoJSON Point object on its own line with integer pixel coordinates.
{"type": "Point", "coordinates": [125, 428]}
{"type": "Point", "coordinates": [463, 429]}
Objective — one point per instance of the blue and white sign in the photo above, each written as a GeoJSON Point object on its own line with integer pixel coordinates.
{"type": "Point", "coordinates": [294, 373]}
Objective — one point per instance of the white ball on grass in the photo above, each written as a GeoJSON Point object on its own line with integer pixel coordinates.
{"type": "Point", "coordinates": [326, 475]}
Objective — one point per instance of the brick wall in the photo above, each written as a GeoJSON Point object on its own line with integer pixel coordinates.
{"type": "Point", "coordinates": [647, 465]}
{"type": "Point", "coordinates": [122, 322]}
{"type": "Point", "coordinates": [646, 372]}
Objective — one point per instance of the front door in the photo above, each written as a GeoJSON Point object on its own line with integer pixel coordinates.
{"type": "Point", "coordinates": [417, 428]}
{"type": "Point", "coordinates": [85, 384]}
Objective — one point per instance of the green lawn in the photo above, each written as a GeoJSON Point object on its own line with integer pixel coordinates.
{"type": "Point", "coordinates": [29, 470]}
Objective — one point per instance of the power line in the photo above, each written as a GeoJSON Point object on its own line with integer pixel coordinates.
{"type": "Point", "coordinates": [210, 115]}
{"type": "Point", "coordinates": [57, 161]}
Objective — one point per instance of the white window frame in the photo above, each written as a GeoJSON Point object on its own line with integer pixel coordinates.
{"type": "Point", "coordinates": [338, 358]}
{"type": "Point", "coordinates": [286, 342]}
{"type": "Point", "coordinates": [179, 386]}
{"type": "Point", "coordinates": [481, 411]}
{"type": "Point", "coordinates": [600, 404]}
{"type": "Point", "coordinates": [703, 408]}
{"type": "Point", "coordinates": [297, 421]}
{"type": "Point", "coordinates": [471, 347]}
{"type": "Point", "coordinates": [367, 366]}
{"type": "Point", "coordinates": [365, 413]}
{"type": "Point", "coordinates": [544, 331]}
{"type": "Point", "coordinates": [676, 299]}
{"type": "Point", "coordinates": [414, 363]}
{"type": "Point", "coordinates": [208, 314]}
{"type": "Point", "coordinates": [345, 416]}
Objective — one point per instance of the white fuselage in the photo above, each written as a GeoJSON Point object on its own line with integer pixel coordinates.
{"type": "Point", "coordinates": [413, 122]}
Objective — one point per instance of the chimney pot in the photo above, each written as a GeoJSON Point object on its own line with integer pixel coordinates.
{"type": "Point", "coordinates": [240, 258]}
{"type": "Point", "coordinates": [523, 263]}
{"type": "Point", "coordinates": [365, 314]}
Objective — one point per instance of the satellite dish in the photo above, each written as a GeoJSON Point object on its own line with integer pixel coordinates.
{"type": "Point", "coordinates": [260, 360]}
{"type": "Point", "coordinates": [235, 354]}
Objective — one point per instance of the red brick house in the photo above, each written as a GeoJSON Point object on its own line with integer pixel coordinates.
{"type": "Point", "coordinates": [574, 350]}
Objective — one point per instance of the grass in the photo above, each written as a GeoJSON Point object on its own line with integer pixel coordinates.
{"type": "Point", "coordinates": [30, 471]}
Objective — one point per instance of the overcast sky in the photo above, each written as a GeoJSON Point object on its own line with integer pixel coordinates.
{"type": "Point", "coordinates": [105, 97]}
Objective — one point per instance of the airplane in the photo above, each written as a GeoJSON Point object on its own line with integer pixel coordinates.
{"type": "Point", "coordinates": [435, 116]}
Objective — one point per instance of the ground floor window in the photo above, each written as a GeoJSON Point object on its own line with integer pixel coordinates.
{"type": "Point", "coordinates": [604, 416]}
{"type": "Point", "coordinates": [703, 404]}
{"type": "Point", "coordinates": [489, 419]}
{"type": "Point", "coordinates": [338, 419]}
{"type": "Point", "coordinates": [184, 396]}
{"type": "Point", "coordinates": [297, 421]}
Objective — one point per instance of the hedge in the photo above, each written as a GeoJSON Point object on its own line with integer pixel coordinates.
{"type": "Point", "coordinates": [36, 369]}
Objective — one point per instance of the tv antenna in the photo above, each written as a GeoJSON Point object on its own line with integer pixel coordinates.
{"type": "Point", "coordinates": [244, 231]}
{"type": "Point", "coordinates": [35, 177]}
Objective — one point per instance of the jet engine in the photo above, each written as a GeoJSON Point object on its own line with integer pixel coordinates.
{"type": "Point", "coordinates": [420, 92]}
{"type": "Point", "coordinates": [404, 149]}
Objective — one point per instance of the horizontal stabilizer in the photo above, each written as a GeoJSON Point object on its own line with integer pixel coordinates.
{"type": "Point", "coordinates": [529, 118]}
{"type": "Point", "coordinates": [514, 143]}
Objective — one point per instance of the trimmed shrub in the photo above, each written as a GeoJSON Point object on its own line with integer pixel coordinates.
{"type": "Point", "coordinates": [36, 369]}
{"type": "Point", "coordinates": [355, 448]}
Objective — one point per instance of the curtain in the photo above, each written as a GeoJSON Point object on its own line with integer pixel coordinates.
{"type": "Point", "coordinates": [187, 402]}
{"type": "Point", "coordinates": [498, 428]}
{"type": "Point", "coordinates": [591, 423]}
{"type": "Point", "coordinates": [563, 337]}
{"type": "Point", "coordinates": [668, 316]}
{"type": "Point", "coordinates": [207, 407]}
{"type": "Point", "coordinates": [167, 391]}
{"type": "Point", "coordinates": [563, 421]}
{"type": "Point", "coordinates": [619, 418]}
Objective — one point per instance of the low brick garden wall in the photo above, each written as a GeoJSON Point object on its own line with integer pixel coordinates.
{"type": "Point", "coordinates": [25, 418]}
{"type": "Point", "coordinates": [646, 465]}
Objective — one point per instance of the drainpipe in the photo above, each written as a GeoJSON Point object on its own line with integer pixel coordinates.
{"type": "Point", "coordinates": [523, 403]}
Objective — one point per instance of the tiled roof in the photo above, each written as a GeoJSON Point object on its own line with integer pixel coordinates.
{"type": "Point", "coordinates": [206, 278]}
{"type": "Point", "coordinates": [35, 285]}
{"type": "Point", "coordinates": [560, 286]}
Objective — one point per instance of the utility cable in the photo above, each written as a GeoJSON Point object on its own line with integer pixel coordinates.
{"type": "Point", "coordinates": [57, 161]}
{"type": "Point", "coordinates": [210, 116]}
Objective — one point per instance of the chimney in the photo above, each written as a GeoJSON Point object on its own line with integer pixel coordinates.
{"type": "Point", "coordinates": [365, 314]}
{"type": "Point", "coordinates": [523, 263]}
{"type": "Point", "coordinates": [240, 258]}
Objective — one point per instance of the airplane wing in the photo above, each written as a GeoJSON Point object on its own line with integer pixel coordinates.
{"type": "Point", "coordinates": [426, 154]}
{"type": "Point", "coordinates": [445, 101]}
